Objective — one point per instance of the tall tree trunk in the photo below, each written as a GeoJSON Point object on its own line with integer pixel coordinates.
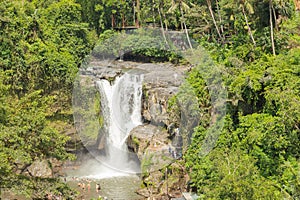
{"type": "Point", "coordinates": [153, 13]}
{"type": "Point", "coordinates": [275, 18]}
{"type": "Point", "coordinates": [164, 15]}
{"type": "Point", "coordinates": [112, 21]}
{"type": "Point", "coordinates": [213, 18]}
{"type": "Point", "coordinates": [271, 27]}
{"type": "Point", "coordinates": [220, 19]}
{"type": "Point", "coordinates": [162, 26]}
{"type": "Point", "coordinates": [181, 12]}
{"type": "Point", "coordinates": [123, 13]}
{"type": "Point", "coordinates": [248, 26]}
{"type": "Point", "coordinates": [134, 13]}
{"type": "Point", "coordinates": [187, 36]}
{"type": "Point", "coordinates": [123, 20]}
{"type": "Point", "coordinates": [185, 28]}
{"type": "Point", "coordinates": [138, 14]}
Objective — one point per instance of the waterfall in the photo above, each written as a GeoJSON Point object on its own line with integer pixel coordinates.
{"type": "Point", "coordinates": [121, 110]}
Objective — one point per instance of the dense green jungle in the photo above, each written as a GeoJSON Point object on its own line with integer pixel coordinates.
{"type": "Point", "coordinates": [255, 43]}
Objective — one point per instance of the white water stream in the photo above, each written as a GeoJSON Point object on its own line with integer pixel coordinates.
{"type": "Point", "coordinates": [121, 109]}
{"type": "Point", "coordinates": [115, 168]}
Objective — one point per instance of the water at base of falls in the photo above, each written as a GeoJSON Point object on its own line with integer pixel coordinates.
{"type": "Point", "coordinates": [117, 188]}
{"type": "Point", "coordinates": [94, 169]}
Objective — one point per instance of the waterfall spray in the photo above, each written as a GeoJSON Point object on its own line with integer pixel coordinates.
{"type": "Point", "coordinates": [121, 110]}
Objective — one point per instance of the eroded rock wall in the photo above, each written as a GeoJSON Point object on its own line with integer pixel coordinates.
{"type": "Point", "coordinates": [161, 173]}
{"type": "Point", "coordinates": [161, 82]}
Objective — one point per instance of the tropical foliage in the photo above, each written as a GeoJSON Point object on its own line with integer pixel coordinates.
{"type": "Point", "coordinates": [42, 46]}
{"type": "Point", "coordinates": [256, 42]}
{"type": "Point", "coordinates": [256, 155]}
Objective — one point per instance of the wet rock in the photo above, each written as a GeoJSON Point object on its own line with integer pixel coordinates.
{"type": "Point", "coordinates": [40, 168]}
{"type": "Point", "coordinates": [166, 183]}
{"type": "Point", "coordinates": [148, 137]}
{"type": "Point", "coordinates": [160, 83]}
{"type": "Point", "coordinates": [101, 70]}
{"type": "Point", "coordinates": [139, 139]}
{"type": "Point", "coordinates": [56, 166]}
{"type": "Point", "coordinates": [162, 175]}
{"type": "Point", "coordinates": [143, 192]}
{"type": "Point", "coordinates": [151, 185]}
{"type": "Point", "coordinates": [151, 144]}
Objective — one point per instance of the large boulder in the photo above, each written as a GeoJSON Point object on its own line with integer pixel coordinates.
{"type": "Point", "coordinates": [139, 139]}
{"type": "Point", "coordinates": [40, 168]}
{"type": "Point", "coordinates": [151, 144]}
{"type": "Point", "coordinates": [165, 183]}
{"type": "Point", "coordinates": [160, 83]}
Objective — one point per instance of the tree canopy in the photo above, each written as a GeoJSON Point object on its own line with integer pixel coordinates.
{"type": "Point", "coordinates": [42, 45]}
{"type": "Point", "coordinates": [256, 156]}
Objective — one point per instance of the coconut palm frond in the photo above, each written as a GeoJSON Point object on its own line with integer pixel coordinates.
{"type": "Point", "coordinates": [249, 7]}
{"type": "Point", "coordinates": [173, 8]}
{"type": "Point", "coordinates": [185, 7]}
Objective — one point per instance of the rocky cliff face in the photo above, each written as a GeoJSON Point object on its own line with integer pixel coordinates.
{"type": "Point", "coordinates": [163, 177]}
{"type": "Point", "coordinates": [151, 144]}
{"type": "Point", "coordinates": [160, 83]}
{"type": "Point", "coordinates": [152, 141]}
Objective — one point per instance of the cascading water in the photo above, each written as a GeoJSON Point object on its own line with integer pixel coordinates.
{"type": "Point", "coordinates": [121, 110]}
{"type": "Point", "coordinates": [107, 160]}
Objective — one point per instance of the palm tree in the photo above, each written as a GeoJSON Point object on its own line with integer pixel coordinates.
{"type": "Point", "coordinates": [283, 9]}
{"type": "Point", "coordinates": [183, 7]}
{"type": "Point", "coordinates": [220, 18]}
{"type": "Point", "coordinates": [213, 18]}
{"type": "Point", "coordinates": [246, 4]}
{"type": "Point", "coordinates": [136, 12]}
{"type": "Point", "coordinates": [271, 26]}
{"type": "Point", "coordinates": [159, 9]}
